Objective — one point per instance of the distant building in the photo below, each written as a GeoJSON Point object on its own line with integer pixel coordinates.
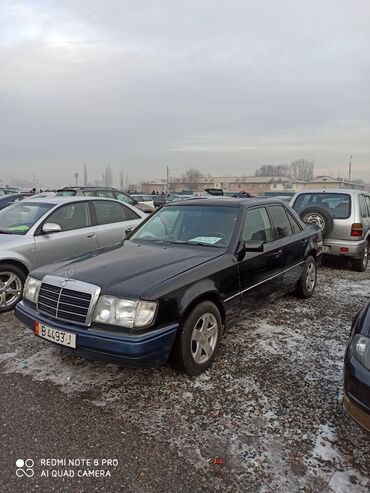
{"type": "Point", "coordinates": [330, 182]}
{"type": "Point", "coordinates": [255, 185]}
{"type": "Point", "coordinates": [251, 184]}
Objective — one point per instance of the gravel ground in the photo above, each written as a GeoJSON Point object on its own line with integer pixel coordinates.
{"type": "Point", "coordinates": [270, 407]}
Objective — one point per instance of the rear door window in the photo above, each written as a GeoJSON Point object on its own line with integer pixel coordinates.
{"type": "Point", "coordinates": [337, 204]}
{"type": "Point", "coordinates": [65, 193]}
{"type": "Point", "coordinates": [108, 212]}
{"type": "Point", "coordinates": [280, 220]}
{"type": "Point", "coordinates": [105, 193]}
{"type": "Point", "coordinates": [123, 197]}
{"type": "Point", "coordinates": [89, 193]}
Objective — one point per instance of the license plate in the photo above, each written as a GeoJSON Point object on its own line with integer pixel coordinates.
{"type": "Point", "coordinates": [55, 335]}
{"type": "Point", "coordinates": [325, 249]}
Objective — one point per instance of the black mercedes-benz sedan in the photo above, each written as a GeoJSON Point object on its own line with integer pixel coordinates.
{"type": "Point", "coordinates": [357, 369]}
{"type": "Point", "coordinates": [170, 291]}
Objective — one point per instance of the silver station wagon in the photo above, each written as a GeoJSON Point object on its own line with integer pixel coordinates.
{"type": "Point", "coordinates": [344, 219]}
{"type": "Point", "coordinates": [36, 232]}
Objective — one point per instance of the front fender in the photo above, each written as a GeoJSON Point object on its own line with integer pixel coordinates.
{"type": "Point", "coordinates": [199, 290]}
{"type": "Point", "coordinates": [11, 256]}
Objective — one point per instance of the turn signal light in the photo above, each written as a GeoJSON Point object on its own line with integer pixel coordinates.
{"type": "Point", "coordinates": [357, 229]}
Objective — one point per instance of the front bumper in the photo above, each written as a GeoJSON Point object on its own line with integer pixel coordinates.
{"type": "Point", "coordinates": [150, 349]}
{"type": "Point", "coordinates": [357, 390]}
{"type": "Point", "coordinates": [355, 248]}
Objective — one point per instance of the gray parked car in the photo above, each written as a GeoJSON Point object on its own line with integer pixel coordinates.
{"type": "Point", "coordinates": [35, 232]}
{"type": "Point", "coordinates": [344, 219]}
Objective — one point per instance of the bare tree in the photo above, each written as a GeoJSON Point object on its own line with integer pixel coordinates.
{"type": "Point", "coordinates": [272, 170]}
{"type": "Point", "coordinates": [108, 177]}
{"type": "Point", "coordinates": [191, 177]}
{"type": "Point", "coordinates": [172, 185]}
{"type": "Point", "coordinates": [302, 169]}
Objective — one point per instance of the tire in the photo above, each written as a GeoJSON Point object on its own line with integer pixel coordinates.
{"type": "Point", "coordinates": [360, 264]}
{"type": "Point", "coordinates": [10, 296]}
{"type": "Point", "coordinates": [188, 353]}
{"type": "Point", "coordinates": [319, 216]}
{"type": "Point", "coordinates": [307, 283]}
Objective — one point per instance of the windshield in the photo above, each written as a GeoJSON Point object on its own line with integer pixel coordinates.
{"type": "Point", "coordinates": [21, 216]}
{"type": "Point", "coordinates": [337, 204]}
{"type": "Point", "coordinates": [190, 224]}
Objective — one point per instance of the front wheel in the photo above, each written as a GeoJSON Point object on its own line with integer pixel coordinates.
{"type": "Point", "coordinates": [198, 339]}
{"type": "Point", "coordinates": [360, 264]}
{"type": "Point", "coordinates": [11, 286]}
{"type": "Point", "coordinates": [307, 283]}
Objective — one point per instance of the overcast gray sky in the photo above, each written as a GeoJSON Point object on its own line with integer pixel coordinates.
{"type": "Point", "coordinates": [222, 86]}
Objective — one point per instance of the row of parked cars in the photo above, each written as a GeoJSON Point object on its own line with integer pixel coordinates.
{"type": "Point", "coordinates": [104, 279]}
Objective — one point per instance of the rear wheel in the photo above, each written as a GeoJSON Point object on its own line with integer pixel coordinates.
{"type": "Point", "coordinates": [318, 216]}
{"type": "Point", "coordinates": [307, 284]}
{"type": "Point", "coordinates": [360, 264]}
{"type": "Point", "coordinates": [198, 339]}
{"type": "Point", "coordinates": [11, 286]}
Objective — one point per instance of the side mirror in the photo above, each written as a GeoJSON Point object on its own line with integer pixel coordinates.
{"type": "Point", "coordinates": [253, 246]}
{"type": "Point", "coordinates": [51, 228]}
{"type": "Point", "coordinates": [128, 232]}
{"type": "Point", "coordinates": [248, 246]}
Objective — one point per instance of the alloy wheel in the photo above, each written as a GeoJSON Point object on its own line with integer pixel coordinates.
{"type": "Point", "coordinates": [204, 338]}
{"type": "Point", "coordinates": [10, 289]}
{"type": "Point", "coordinates": [315, 219]}
{"type": "Point", "coordinates": [311, 277]}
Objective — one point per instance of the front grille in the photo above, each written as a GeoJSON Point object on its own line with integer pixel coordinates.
{"type": "Point", "coordinates": [57, 299]}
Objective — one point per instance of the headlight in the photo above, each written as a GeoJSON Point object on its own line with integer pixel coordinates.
{"type": "Point", "coordinates": [126, 313]}
{"type": "Point", "coordinates": [31, 289]}
{"type": "Point", "coordinates": [360, 347]}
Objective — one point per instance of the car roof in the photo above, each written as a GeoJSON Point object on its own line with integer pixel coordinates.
{"type": "Point", "coordinates": [89, 188]}
{"type": "Point", "coordinates": [332, 190]}
{"type": "Point", "coordinates": [65, 200]}
{"type": "Point", "coordinates": [226, 201]}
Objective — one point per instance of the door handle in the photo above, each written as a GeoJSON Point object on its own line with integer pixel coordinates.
{"type": "Point", "coordinates": [277, 253]}
{"type": "Point", "coordinates": [90, 235]}
{"type": "Point", "coordinates": [304, 242]}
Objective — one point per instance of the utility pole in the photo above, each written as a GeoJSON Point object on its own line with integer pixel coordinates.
{"type": "Point", "coordinates": [167, 178]}
{"type": "Point", "coordinates": [350, 171]}
{"type": "Point", "coordinates": [85, 175]}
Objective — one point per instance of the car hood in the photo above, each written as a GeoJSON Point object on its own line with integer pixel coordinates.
{"type": "Point", "coordinates": [132, 268]}
{"type": "Point", "coordinates": [7, 242]}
